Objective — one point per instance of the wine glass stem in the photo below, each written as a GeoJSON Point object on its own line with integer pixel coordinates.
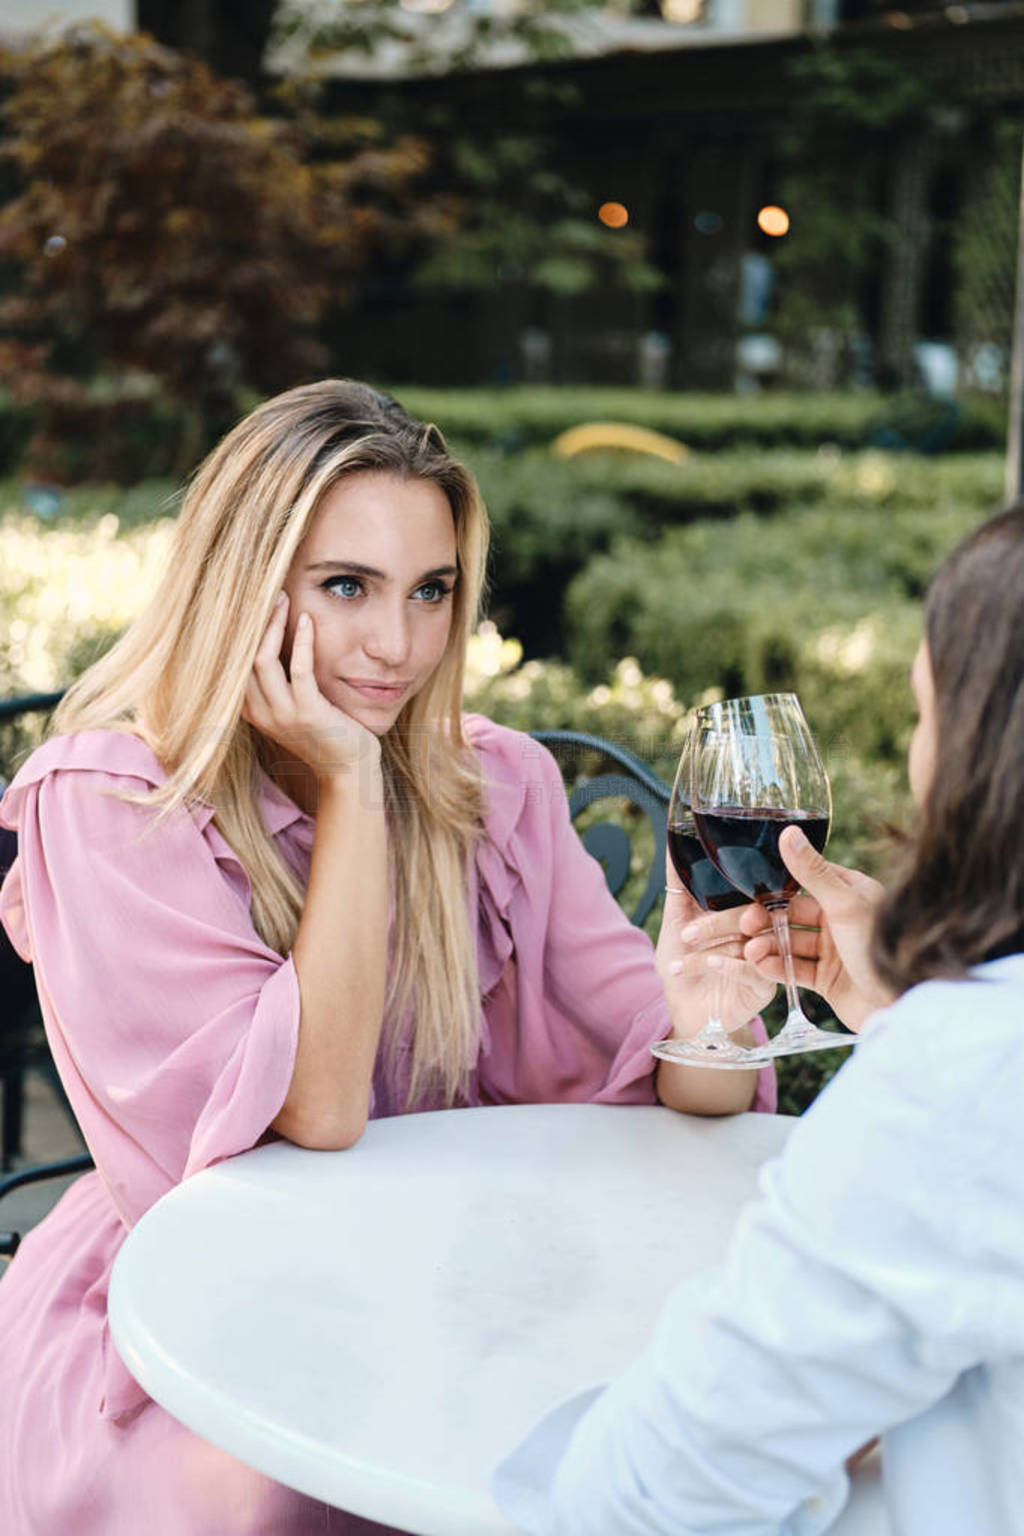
{"type": "Point", "coordinates": [712, 1037]}
{"type": "Point", "coordinates": [715, 1003]}
{"type": "Point", "coordinates": [780, 924]}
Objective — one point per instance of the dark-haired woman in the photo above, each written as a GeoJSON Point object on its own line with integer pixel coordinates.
{"type": "Point", "coordinates": [877, 1286]}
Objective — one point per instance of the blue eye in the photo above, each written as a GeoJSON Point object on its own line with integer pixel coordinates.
{"type": "Point", "coordinates": [344, 586]}
{"type": "Point", "coordinates": [433, 591]}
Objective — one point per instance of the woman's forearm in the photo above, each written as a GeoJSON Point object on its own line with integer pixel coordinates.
{"type": "Point", "coordinates": [340, 958]}
{"type": "Point", "coordinates": [700, 1090]}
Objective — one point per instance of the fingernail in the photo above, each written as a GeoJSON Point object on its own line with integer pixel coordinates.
{"type": "Point", "coordinates": [676, 968]}
{"type": "Point", "coordinates": [715, 962]}
{"type": "Point", "coordinates": [690, 933]}
{"type": "Point", "coordinates": [282, 597]}
{"type": "Point", "coordinates": [303, 620]}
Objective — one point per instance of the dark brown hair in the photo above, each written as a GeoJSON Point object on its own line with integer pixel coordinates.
{"type": "Point", "coordinates": [960, 898]}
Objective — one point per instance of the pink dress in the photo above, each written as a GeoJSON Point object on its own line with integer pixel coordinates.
{"type": "Point", "coordinates": [174, 1030]}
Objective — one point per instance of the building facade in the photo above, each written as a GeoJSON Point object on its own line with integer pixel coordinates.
{"type": "Point", "coordinates": [695, 140]}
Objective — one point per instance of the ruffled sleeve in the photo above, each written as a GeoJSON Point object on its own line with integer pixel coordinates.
{"type": "Point", "coordinates": [173, 1025]}
{"type": "Point", "coordinates": [576, 1017]}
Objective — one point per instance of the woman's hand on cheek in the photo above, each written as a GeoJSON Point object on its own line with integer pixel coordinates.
{"type": "Point", "coordinates": [288, 708]}
{"type": "Point", "coordinates": [696, 948]}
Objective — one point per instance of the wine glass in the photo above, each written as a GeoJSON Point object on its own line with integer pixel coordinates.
{"type": "Point", "coordinates": [756, 771]}
{"type": "Point", "coordinates": [711, 1046]}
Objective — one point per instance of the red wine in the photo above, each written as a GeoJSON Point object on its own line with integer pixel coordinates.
{"type": "Point", "coordinates": [744, 846]}
{"type": "Point", "coordinates": [698, 874]}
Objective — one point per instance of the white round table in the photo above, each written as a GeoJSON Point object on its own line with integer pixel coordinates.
{"type": "Point", "coordinates": [378, 1327]}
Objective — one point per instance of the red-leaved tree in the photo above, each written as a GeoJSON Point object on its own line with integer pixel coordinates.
{"type": "Point", "coordinates": [161, 224]}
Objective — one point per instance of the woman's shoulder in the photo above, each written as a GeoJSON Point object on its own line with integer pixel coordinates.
{"type": "Point", "coordinates": [110, 754]}
{"type": "Point", "coordinates": [520, 775]}
{"type": "Point", "coordinates": [983, 1002]}
{"type": "Point", "coordinates": [949, 1041]}
{"type": "Point", "coordinates": [486, 735]}
{"type": "Point", "coordinates": [510, 753]}
{"type": "Point", "coordinates": [114, 752]}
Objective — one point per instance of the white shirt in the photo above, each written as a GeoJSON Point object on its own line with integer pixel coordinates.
{"type": "Point", "coordinates": [877, 1286]}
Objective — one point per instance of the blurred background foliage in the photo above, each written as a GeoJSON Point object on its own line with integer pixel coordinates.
{"type": "Point", "coordinates": [171, 243]}
{"type": "Point", "coordinates": [172, 238]}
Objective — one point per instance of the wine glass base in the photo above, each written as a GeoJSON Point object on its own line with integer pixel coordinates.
{"type": "Point", "coordinates": [728, 1058]}
{"type": "Point", "coordinates": [800, 1041]}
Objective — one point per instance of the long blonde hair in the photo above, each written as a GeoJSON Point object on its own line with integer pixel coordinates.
{"type": "Point", "coordinates": [177, 679]}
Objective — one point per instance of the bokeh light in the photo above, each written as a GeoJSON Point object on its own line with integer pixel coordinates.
{"type": "Point", "coordinates": [614, 215]}
{"type": "Point", "coordinates": [681, 12]}
{"type": "Point", "coordinates": [772, 220]}
{"type": "Point", "coordinates": [55, 246]}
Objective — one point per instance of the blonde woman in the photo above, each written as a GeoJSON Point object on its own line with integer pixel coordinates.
{"type": "Point", "coordinates": [273, 883]}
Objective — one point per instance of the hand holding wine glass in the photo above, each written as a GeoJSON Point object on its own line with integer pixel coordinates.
{"type": "Point", "coordinates": [756, 771]}
{"type": "Point", "coordinates": [831, 937]}
{"type": "Point", "coordinates": [692, 885]}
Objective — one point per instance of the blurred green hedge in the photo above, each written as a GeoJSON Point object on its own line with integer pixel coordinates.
{"type": "Point", "coordinates": [826, 601]}
{"type": "Point", "coordinates": [552, 518]}
{"type": "Point", "coordinates": [525, 415]}
{"type": "Point", "coordinates": [713, 604]}
{"type": "Point", "coordinates": [106, 439]}
{"type": "Point", "coordinates": [111, 436]}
